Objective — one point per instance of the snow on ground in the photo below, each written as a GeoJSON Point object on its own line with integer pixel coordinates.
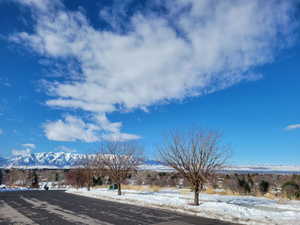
{"type": "Point", "coordinates": [3, 188]}
{"type": "Point", "coordinates": [240, 209]}
{"type": "Point", "coordinates": [52, 186]}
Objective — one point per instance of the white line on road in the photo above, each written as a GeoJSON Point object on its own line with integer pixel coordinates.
{"type": "Point", "coordinates": [12, 216]}
{"type": "Point", "coordinates": [65, 214]}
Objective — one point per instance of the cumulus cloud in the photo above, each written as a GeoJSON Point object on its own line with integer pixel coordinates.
{"type": "Point", "coordinates": [41, 5]}
{"type": "Point", "coordinates": [72, 128]}
{"type": "Point", "coordinates": [293, 127]}
{"type": "Point", "coordinates": [196, 48]}
{"type": "Point", "coordinates": [31, 146]}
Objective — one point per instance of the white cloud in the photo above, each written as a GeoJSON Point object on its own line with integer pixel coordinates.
{"type": "Point", "coordinates": [293, 127]}
{"type": "Point", "coordinates": [42, 5]}
{"type": "Point", "coordinates": [196, 48]}
{"type": "Point", "coordinates": [107, 125]}
{"type": "Point", "coordinates": [71, 129]}
{"type": "Point", "coordinates": [22, 152]}
{"type": "Point", "coordinates": [31, 146]}
{"type": "Point", "coordinates": [65, 149]}
{"type": "Point", "coordinates": [75, 129]}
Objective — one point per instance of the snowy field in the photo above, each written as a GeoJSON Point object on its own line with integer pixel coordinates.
{"type": "Point", "coordinates": [240, 209]}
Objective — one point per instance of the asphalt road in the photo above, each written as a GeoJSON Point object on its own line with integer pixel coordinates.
{"type": "Point", "coordinates": [59, 208]}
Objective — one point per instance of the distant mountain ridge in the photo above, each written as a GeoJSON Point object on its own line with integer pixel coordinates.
{"type": "Point", "coordinates": [49, 160]}
{"type": "Point", "coordinates": [67, 160]}
{"type": "Point", "coordinates": [43, 159]}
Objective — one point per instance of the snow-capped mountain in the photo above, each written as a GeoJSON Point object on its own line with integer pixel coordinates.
{"type": "Point", "coordinates": [43, 159]}
{"type": "Point", "coordinates": [67, 160]}
{"type": "Point", "coordinates": [52, 160]}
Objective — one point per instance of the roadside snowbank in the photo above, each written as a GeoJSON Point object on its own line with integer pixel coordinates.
{"type": "Point", "coordinates": [52, 186]}
{"type": "Point", "coordinates": [240, 209]}
{"type": "Point", "coordinates": [3, 188]}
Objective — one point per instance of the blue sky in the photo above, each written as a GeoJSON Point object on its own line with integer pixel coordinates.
{"type": "Point", "coordinates": [76, 73]}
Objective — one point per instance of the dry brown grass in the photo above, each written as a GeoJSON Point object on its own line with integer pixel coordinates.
{"type": "Point", "coordinates": [134, 187]}
{"type": "Point", "coordinates": [210, 190]}
{"type": "Point", "coordinates": [225, 192]}
{"type": "Point", "coordinates": [100, 186]}
{"type": "Point", "coordinates": [280, 199]}
{"type": "Point", "coordinates": [153, 188]}
{"type": "Point", "coordinates": [270, 196]}
{"type": "Point", "coordinates": [185, 191]}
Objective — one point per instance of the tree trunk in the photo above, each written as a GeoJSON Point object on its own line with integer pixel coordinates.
{"type": "Point", "coordinates": [196, 197]}
{"type": "Point", "coordinates": [119, 189]}
{"type": "Point", "coordinates": [89, 182]}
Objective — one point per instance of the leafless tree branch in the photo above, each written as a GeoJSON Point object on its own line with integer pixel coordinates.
{"type": "Point", "coordinates": [196, 155]}
{"type": "Point", "coordinates": [120, 160]}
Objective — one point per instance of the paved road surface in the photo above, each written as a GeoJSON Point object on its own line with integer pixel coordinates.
{"type": "Point", "coordinates": [59, 208]}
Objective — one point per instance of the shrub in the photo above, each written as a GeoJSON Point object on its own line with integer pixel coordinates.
{"type": "Point", "coordinates": [162, 174]}
{"type": "Point", "coordinates": [97, 181]}
{"type": "Point", "coordinates": [244, 186]}
{"type": "Point", "coordinates": [264, 186]}
{"type": "Point", "coordinates": [291, 190]}
{"type": "Point", "coordinates": [296, 178]}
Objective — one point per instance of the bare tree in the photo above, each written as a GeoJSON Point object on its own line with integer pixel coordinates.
{"type": "Point", "coordinates": [13, 176]}
{"type": "Point", "coordinates": [76, 177]}
{"type": "Point", "coordinates": [89, 166]}
{"type": "Point", "coordinates": [120, 160]}
{"type": "Point", "coordinates": [196, 155]}
{"type": "Point", "coordinates": [1, 176]}
{"type": "Point", "coordinates": [87, 162]}
{"type": "Point", "coordinates": [99, 167]}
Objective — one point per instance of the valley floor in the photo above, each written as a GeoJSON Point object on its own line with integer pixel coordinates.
{"type": "Point", "coordinates": [238, 209]}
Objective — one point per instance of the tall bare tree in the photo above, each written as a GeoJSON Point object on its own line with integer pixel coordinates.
{"type": "Point", "coordinates": [87, 162]}
{"type": "Point", "coordinates": [99, 167]}
{"type": "Point", "coordinates": [196, 155]}
{"type": "Point", "coordinates": [76, 177]}
{"type": "Point", "coordinates": [120, 160]}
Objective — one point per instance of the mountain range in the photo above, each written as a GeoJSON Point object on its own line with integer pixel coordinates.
{"type": "Point", "coordinates": [67, 160]}
{"type": "Point", "coordinates": [51, 160]}
{"type": "Point", "coordinates": [43, 159]}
